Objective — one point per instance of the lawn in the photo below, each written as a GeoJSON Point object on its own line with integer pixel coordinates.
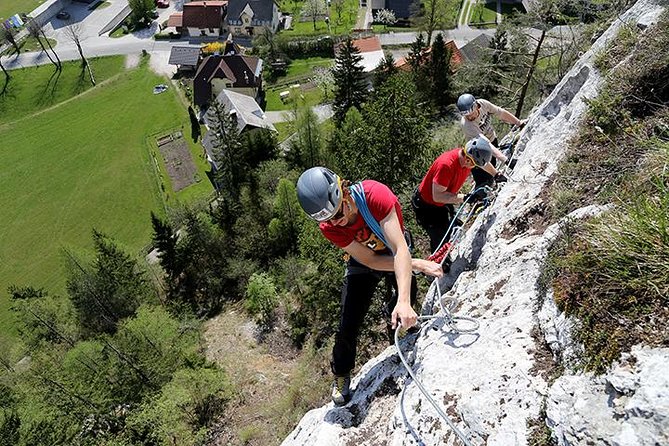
{"type": "Point", "coordinates": [308, 97]}
{"type": "Point", "coordinates": [341, 22]}
{"type": "Point", "coordinates": [31, 44]}
{"type": "Point", "coordinates": [483, 12]}
{"type": "Point", "coordinates": [10, 7]}
{"type": "Point", "coordinates": [85, 163]}
{"type": "Point", "coordinates": [512, 8]}
{"type": "Point", "coordinates": [33, 89]}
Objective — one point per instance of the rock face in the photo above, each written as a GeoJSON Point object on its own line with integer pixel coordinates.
{"type": "Point", "coordinates": [493, 383]}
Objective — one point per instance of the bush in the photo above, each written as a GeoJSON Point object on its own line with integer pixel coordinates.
{"type": "Point", "coordinates": [261, 300]}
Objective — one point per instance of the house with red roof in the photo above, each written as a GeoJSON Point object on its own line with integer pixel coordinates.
{"type": "Point", "coordinates": [200, 18]}
{"type": "Point", "coordinates": [456, 57]}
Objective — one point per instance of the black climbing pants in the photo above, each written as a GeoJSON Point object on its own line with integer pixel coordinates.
{"type": "Point", "coordinates": [356, 297]}
{"type": "Point", "coordinates": [434, 219]}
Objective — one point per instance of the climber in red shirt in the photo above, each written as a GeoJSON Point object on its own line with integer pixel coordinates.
{"type": "Point", "coordinates": [439, 190]}
{"type": "Point", "coordinates": [365, 220]}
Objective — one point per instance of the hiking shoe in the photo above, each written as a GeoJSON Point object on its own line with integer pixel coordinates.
{"type": "Point", "coordinates": [341, 390]}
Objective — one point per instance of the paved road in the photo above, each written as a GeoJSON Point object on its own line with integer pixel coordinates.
{"type": "Point", "coordinates": [461, 36]}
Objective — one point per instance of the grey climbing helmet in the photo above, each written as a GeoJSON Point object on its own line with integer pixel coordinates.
{"type": "Point", "coordinates": [479, 150]}
{"type": "Point", "coordinates": [319, 193]}
{"type": "Point", "coordinates": [466, 104]}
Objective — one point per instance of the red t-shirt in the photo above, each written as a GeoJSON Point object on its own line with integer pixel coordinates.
{"type": "Point", "coordinates": [380, 201]}
{"type": "Point", "coordinates": [446, 171]}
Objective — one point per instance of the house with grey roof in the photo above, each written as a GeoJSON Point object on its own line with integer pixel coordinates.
{"type": "Point", "coordinates": [249, 17]}
{"type": "Point", "coordinates": [475, 49]}
{"type": "Point", "coordinates": [186, 58]}
{"type": "Point", "coordinates": [249, 117]}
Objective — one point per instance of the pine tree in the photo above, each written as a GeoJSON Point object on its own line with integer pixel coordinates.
{"type": "Point", "coordinates": [440, 73]}
{"type": "Point", "coordinates": [306, 146]}
{"type": "Point", "coordinates": [385, 70]}
{"type": "Point", "coordinates": [227, 146]}
{"type": "Point", "coordinates": [108, 289]}
{"type": "Point", "coordinates": [351, 88]}
{"type": "Point", "coordinates": [398, 133]}
{"type": "Point", "coordinates": [418, 59]}
{"type": "Point", "coordinates": [165, 240]}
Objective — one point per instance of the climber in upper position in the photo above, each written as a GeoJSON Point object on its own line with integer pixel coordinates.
{"type": "Point", "coordinates": [365, 220]}
{"type": "Point", "coordinates": [439, 190]}
{"type": "Point", "coordinates": [476, 120]}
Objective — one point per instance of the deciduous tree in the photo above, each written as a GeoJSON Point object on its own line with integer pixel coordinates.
{"type": "Point", "coordinates": [314, 9]}
{"type": "Point", "coordinates": [35, 30]}
{"type": "Point", "coordinates": [141, 11]}
{"type": "Point", "coordinates": [385, 17]}
{"type": "Point", "coordinates": [74, 32]}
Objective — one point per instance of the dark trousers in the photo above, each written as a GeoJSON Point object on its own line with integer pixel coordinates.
{"type": "Point", "coordinates": [356, 298]}
{"type": "Point", "coordinates": [481, 177]}
{"type": "Point", "coordinates": [434, 219]}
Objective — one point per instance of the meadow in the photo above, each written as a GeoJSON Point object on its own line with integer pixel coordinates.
{"type": "Point", "coordinates": [10, 7]}
{"type": "Point", "coordinates": [80, 164]}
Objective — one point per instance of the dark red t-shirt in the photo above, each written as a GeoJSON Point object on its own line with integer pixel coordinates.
{"type": "Point", "coordinates": [380, 200]}
{"type": "Point", "coordinates": [446, 171]}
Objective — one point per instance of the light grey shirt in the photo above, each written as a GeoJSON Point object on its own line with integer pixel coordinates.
{"type": "Point", "coordinates": [482, 125]}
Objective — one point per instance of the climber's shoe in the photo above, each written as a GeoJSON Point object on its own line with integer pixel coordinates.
{"type": "Point", "coordinates": [341, 390]}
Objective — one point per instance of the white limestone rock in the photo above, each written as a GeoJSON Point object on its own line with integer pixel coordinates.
{"type": "Point", "coordinates": [492, 382]}
{"type": "Point", "coordinates": [629, 406]}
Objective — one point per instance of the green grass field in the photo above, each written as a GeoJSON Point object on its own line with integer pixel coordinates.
{"type": "Point", "coordinates": [484, 12]}
{"type": "Point", "coordinates": [339, 23]}
{"type": "Point", "coordinates": [10, 7]}
{"type": "Point", "coordinates": [85, 163]}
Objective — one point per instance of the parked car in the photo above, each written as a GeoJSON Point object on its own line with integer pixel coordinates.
{"type": "Point", "coordinates": [163, 3]}
{"type": "Point", "coordinates": [160, 88]}
{"type": "Point", "coordinates": [63, 15]}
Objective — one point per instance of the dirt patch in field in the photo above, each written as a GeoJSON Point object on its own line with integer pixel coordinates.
{"type": "Point", "coordinates": [178, 160]}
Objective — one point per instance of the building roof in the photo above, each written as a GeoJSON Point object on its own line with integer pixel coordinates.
{"type": "Point", "coordinates": [184, 55]}
{"type": "Point", "coordinates": [368, 44]}
{"type": "Point", "coordinates": [456, 57]}
{"type": "Point", "coordinates": [249, 113]}
{"type": "Point", "coordinates": [370, 50]}
{"type": "Point", "coordinates": [249, 116]}
{"type": "Point", "coordinates": [204, 14]}
{"type": "Point", "coordinates": [472, 51]}
{"type": "Point", "coordinates": [242, 71]}
{"type": "Point", "coordinates": [262, 10]}
{"type": "Point", "coordinates": [175, 20]}
{"type": "Point", "coordinates": [401, 8]}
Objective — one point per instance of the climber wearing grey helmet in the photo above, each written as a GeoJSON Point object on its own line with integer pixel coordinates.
{"type": "Point", "coordinates": [319, 192]}
{"type": "Point", "coordinates": [476, 120]}
{"type": "Point", "coordinates": [350, 216]}
{"type": "Point", "coordinates": [434, 199]}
